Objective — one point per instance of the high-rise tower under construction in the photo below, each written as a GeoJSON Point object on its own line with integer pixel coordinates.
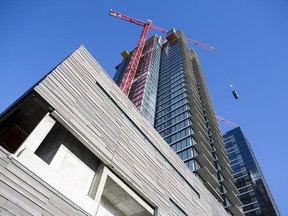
{"type": "Point", "coordinates": [170, 90]}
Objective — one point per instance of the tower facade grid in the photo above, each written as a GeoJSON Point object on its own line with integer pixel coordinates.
{"type": "Point", "coordinates": [183, 112]}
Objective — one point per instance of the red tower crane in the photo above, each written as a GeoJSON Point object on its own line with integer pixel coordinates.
{"type": "Point", "coordinates": [135, 58]}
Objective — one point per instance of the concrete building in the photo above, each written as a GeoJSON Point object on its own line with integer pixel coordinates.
{"type": "Point", "coordinates": [254, 192]}
{"type": "Point", "coordinates": [170, 90]}
{"type": "Point", "coordinates": [74, 144]}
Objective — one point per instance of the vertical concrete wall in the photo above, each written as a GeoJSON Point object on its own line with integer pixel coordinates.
{"type": "Point", "coordinates": [90, 105]}
{"type": "Point", "coordinates": [24, 193]}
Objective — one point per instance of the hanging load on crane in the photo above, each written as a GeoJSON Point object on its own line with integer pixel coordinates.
{"type": "Point", "coordinates": [235, 94]}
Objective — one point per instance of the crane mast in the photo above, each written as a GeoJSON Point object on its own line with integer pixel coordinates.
{"type": "Point", "coordinates": [134, 61]}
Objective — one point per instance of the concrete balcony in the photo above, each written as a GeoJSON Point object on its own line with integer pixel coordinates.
{"type": "Point", "coordinates": [218, 143]}
{"type": "Point", "coordinates": [213, 123]}
{"type": "Point", "coordinates": [229, 185]}
{"type": "Point", "coordinates": [198, 123]}
{"type": "Point", "coordinates": [213, 127]}
{"type": "Point", "coordinates": [235, 210]}
{"type": "Point", "coordinates": [209, 111]}
{"type": "Point", "coordinates": [219, 140]}
{"type": "Point", "coordinates": [213, 192]}
{"type": "Point", "coordinates": [224, 163]}
{"type": "Point", "coordinates": [207, 176]}
{"type": "Point", "coordinates": [233, 198]}
{"type": "Point", "coordinates": [204, 162]}
{"type": "Point", "coordinates": [201, 149]}
{"type": "Point", "coordinates": [226, 173]}
{"type": "Point", "coordinates": [199, 137]}
{"type": "Point", "coordinates": [221, 153]}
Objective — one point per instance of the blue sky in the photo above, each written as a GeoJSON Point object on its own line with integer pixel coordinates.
{"type": "Point", "coordinates": [250, 38]}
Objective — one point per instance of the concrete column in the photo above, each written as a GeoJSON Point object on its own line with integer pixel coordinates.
{"type": "Point", "coordinates": [101, 185]}
{"type": "Point", "coordinates": [39, 133]}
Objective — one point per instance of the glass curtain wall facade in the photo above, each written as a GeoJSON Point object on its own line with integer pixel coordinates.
{"type": "Point", "coordinates": [179, 107]}
{"type": "Point", "coordinates": [144, 87]}
{"type": "Point", "coordinates": [253, 191]}
{"type": "Point", "coordinates": [173, 116]}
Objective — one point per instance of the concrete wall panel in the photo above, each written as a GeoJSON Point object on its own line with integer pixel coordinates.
{"type": "Point", "coordinates": [90, 105]}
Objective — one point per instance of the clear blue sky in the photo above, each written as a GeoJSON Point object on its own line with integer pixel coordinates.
{"type": "Point", "coordinates": [250, 38]}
